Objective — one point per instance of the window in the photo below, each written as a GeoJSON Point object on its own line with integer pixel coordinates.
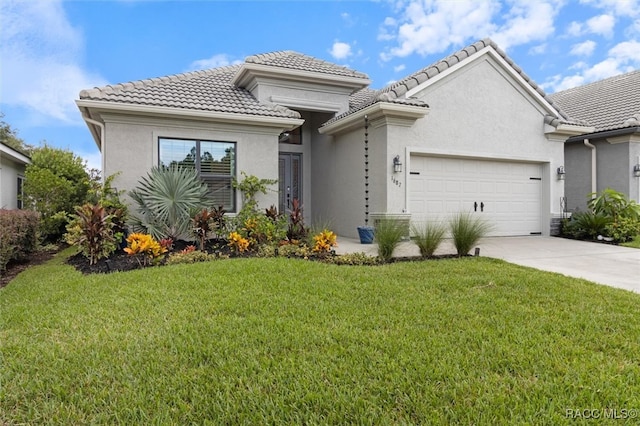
{"type": "Point", "coordinates": [215, 162]}
{"type": "Point", "coordinates": [20, 192]}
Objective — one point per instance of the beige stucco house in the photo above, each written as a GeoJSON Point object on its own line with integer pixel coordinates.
{"type": "Point", "coordinates": [608, 156]}
{"type": "Point", "coordinates": [468, 133]}
{"type": "Point", "coordinates": [12, 167]}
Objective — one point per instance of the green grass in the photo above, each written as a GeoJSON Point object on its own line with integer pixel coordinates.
{"type": "Point", "coordinates": [255, 341]}
{"type": "Point", "coordinates": [635, 243]}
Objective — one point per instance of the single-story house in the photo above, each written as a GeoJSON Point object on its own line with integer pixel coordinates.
{"type": "Point", "coordinates": [471, 132]}
{"type": "Point", "coordinates": [12, 167]}
{"type": "Point", "coordinates": [609, 155]}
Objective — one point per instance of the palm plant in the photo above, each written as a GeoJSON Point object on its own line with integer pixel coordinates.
{"type": "Point", "coordinates": [466, 230]}
{"type": "Point", "coordinates": [388, 234]}
{"type": "Point", "coordinates": [165, 199]}
{"type": "Point", "coordinates": [428, 237]}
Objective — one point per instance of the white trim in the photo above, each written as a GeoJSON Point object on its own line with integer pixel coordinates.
{"type": "Point", "coordinates": [14, 155]}
{"type": "Point", "coordinates": [495, 55]}
{"type": "Point", "coordinates": [310, 105]}
{"type": "Point", "coordinates": [377, 110]}
{"type": "Point", "coordinates": [472, 155]}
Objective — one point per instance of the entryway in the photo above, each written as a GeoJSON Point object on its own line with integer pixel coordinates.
{"type": "Point", "coordinates": [289, 179]}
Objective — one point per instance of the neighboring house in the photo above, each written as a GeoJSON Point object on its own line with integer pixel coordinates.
{"type": "Point", "coordinates": [472, 133]}
{"type": "Point", "coordinates": [608, 156]}
{"type": "Point", "coordinates": [12, 166]}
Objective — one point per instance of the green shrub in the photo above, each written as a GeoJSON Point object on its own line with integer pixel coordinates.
{"type": "Point", "coordinates": [624, 229]}
{"type": "Point", "coordinates": [614, 205]}
{"type": "Point", "coordinates": [429, 237]}
{"type": "Point", "coordinates": [18, 235]}
{"type": "Point", "coordinates": [354, 259]}
{"type": "Point", "coordinates": [165, 199]}
{"type": "Point", "coordinates": [294, 250]}
{"type": "Point", "coordinates": [466, 230]}
{"type": "Point", "coordinates": [55, 183]}
{"type": "Point", "coordinates": [189, 257]}
{"type": "Point", "coordinates": [91, 229]}
{"type": "Point", "coordinates": [586, 225]}
{"type": "Point", "coordinates": [388, 233]}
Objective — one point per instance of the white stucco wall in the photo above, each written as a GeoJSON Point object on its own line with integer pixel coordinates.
{"type": "Point", "coordinates": [131, 147]}
{"type": "Point", "coordinates": [9, 172]}
{"type": "Point", "coordinates": [480, 111]}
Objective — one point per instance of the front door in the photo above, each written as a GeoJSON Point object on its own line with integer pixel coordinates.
{"type": "Point", "coordinates": [289, 180]}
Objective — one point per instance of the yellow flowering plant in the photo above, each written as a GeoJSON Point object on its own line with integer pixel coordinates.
{"type": "Point", "coordinates": [238, 242]}
{"type": "Point", "coordinates": [146, 247]}
{"type": "Point", "coordinates": [324, 241]}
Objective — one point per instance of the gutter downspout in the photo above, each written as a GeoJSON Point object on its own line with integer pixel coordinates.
{"type": "Point", "coordinates": [101, 126]}
{"type": "Point", "coordinates": [594, 174]}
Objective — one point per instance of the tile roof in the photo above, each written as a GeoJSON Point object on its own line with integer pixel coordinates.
{"type": "Point", "coordinates": [298, 61]}
{"type": "Point", "coordinates": [396, 91]}
{"type": "Point", "coordinates": [209, 90]}
{"type": "Point", "coordinates": [608, 104]}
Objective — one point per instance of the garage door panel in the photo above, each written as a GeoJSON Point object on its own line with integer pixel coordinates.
{"type": "Point", "coordinates": [512, 200]}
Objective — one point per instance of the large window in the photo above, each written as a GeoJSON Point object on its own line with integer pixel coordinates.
{"type": "Point", "coordinates": [214, 161]}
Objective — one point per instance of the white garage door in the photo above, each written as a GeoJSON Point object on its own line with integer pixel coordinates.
{"type": "Point", "coordinates": [507, 194]}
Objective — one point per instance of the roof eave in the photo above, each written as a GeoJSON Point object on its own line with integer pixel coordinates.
{"type": "Point", "coordinates": [288, 123]}
{"type": "Point", "coordinates": [377, 110]}
{"type": "Point", "coordinates": [248, 72]}
{"type": "Point", "coordinates": [605, 134]}
{"type": "Point", "coordinates": [14, 155]}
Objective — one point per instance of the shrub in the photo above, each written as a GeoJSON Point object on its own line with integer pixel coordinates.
{"type": "Point", "coordinates": [18, 235]}
{"type": "Point", "coordinates": [429, 237]}
{"type": "Point", "coordinates": [146, 248]}
{"type": "Point", "coordinates": [55, 183]}
{"type": "Point", "coordinates": [296, 230]}
{"type": "Point", "coordinates": [354, 259]}
{"type": "Point", "coordinates": [388, 233]}
{"type": "Point", "coordinates": [250, 186]}
{"type": "Point", "coordinates": [614, 204]}
{"type": "Point", "coordinates": [624, 229]}
{"type": "Point", "coordinates": [202, 226]}
{"type": "Point", "coordinates": [324, 241]}
{"type": "Point", "coordinates": [165, 199]}
{"type": "Point", "coordinates": [294, 250]}
{"type": "Point", "coordinates": [260, 229]}
{"type": "Point", "coordinates": [238, 243]}
{"type": "Point", "coordinates": [585, 225]}
{"type": "Point", "coordinates": [189, 257]}
{"type": "Point", "coordinates": [466, 230]}
{"type": "Point", "coordinates": [91, 229]}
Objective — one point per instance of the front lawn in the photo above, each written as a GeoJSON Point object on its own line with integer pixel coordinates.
{"type": "Point", "coordinates": [255, 341]}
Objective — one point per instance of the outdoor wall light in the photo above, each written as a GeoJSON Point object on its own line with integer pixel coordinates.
{"type": "Point", "coordinates": [397, 164]}
{"type": "Point", "coordinates": [636, 170]}
{"type": "Point", "coordinates": [561, 172]}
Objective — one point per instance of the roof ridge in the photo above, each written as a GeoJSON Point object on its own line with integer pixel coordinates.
{"type": "Point", "coordinates": [153, 81]}
{"type": "Point", "coordinates": [394, 91]}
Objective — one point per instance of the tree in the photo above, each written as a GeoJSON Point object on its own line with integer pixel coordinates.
{"type": "Point", "coordinates": [9, 137]}
{"type": "Point", "coordinates": [56, 182]}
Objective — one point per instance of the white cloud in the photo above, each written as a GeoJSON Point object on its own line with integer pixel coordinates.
{"type": "Point", "coordinates": [218, 60]}
{"type": "Point", "coordinates": [45, 72]}
{"type": "Point", "coordinates": [585, 48]}
{"type": "Point", "coordinates": [630, 8]}
{"type": "Point", "coordinates": [399, 68]}
{"type": "Point", "coordinates": [340, 50]}
{"type": "Point", "coordinates": [428, 27]}
{"type": "Point", "coordinates": [621, 58]}
{"type": "Point", "coordinates": [539, 49]}
{"type": "Point", "coordinates": [527, 21]}
{"type": "Point", "coordinates": [602, 25]}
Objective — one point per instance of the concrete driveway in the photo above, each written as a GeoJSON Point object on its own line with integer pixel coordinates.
{"type": "Point", "coordinates": [601, 263]}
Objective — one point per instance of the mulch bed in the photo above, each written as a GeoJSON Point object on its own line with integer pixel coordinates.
{"type": "Point", "coordinates": [15, 267]}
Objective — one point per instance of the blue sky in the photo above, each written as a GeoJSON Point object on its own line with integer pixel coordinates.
{"type": "Point", "coordinates": [52, 49]}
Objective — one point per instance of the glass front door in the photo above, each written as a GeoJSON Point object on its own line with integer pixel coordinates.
{"type": "Point", "coordinates": [289, 180]}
